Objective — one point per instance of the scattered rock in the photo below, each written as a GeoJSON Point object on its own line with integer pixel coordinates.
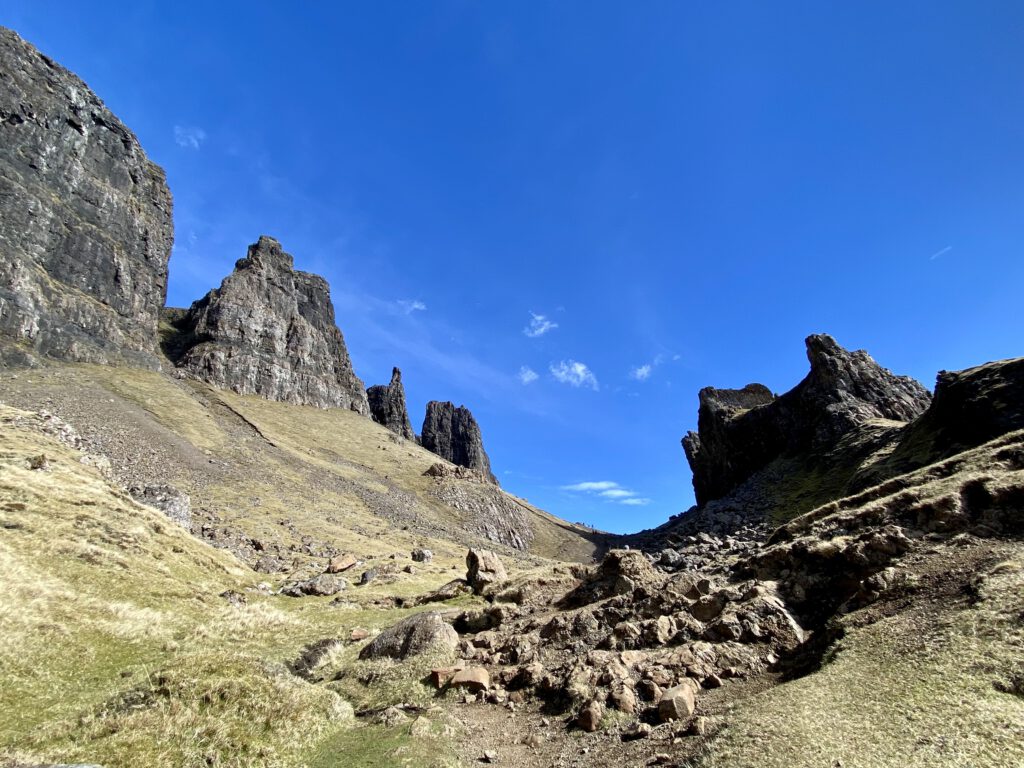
{"type": "Point", "coordinates": [168, 499]}
{"type": "Point", "coordinates": [677, 703]}
{"type": "Point", "coordinates": [422, 555]}
{"type": "Point", "coordinates": [412, 636]}
{"type": "Point", "coordinates": [636, 731]}
{"type": "Point", "coordinates": [341, 563]}
{"type": "Point", "coordinates": [473, 679]}
{"type": "Point", "coordinates": [322, 585]}
{"type": "Point", "coordinates": [367, 577]}
{"type": "Point", "coordinates": [589, 718]}
{"type": "Point", "coordinates": [484, 570]}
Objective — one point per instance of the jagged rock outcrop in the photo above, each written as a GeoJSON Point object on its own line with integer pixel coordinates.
{"type": "Point", "coordinates": [453, 434]}
{"type": "Point", "coordinates": [387, 406]}
{"type": "Point", "coordinates": [85, 220]}
{"type": "Point", "coordinates": [269, 330]}
{"type": "Point", "coordinates": [741, 431]}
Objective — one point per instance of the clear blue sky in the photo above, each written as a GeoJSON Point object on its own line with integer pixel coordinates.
{"type": "Point", "coordinates": [692, 187]}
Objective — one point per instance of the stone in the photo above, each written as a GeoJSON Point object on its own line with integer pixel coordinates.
{"type": "Point", "coordinates": [387, 406]}
{"type": "Point", "coordinates": [412, 636]}
{"type": "Point", "coordinates": [341, 563]}
{"type": "Point", "coordinates": [268, 330]}
{"type": "Point", "coordinates": [624, 700]}
{"type": "Point", "coordinates": [590, 717]}
{"type": "Point", "coordinates": [322, 585]}
{"type": "Point", "coordinates": [740, 431]}
{"type": "Point", "coordinates": [85, 221]}
{"type": "Point", "coordinates": [422, 555]}
{"type": "Point", "coordinates": [453, 434]}
{"type": "Point", "coordinates": [484, 569]}
{"type": "Point", "coordinates": [168, 499]}
{"type": "Point", "coordinates": [472, 679]}
{"type": "Point", "coordinates": [439, 677]}
{"type": "Point", "coordinates": [358, 633]}
{"type": "Point", "coordinates": [367, 577]}
{"type": "Point", "coordinates": [489, 756]}
{"type": "Point", "coordinates": [636, 731]}
{"type": "Point", "coordinates": [677, 703]}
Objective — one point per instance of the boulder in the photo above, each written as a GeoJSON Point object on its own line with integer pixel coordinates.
{"type": "Point", "coordinates": [341, 563]}
{"type": "Point", "coordinates": [268, 330]}
{"type": "Point", "coordinates": [387, 406]}
{"type": "Point", "coordinates": [484, 570]}
{"type": "Point", "coordinates": [322, 585]}
{"type": "Point", "coordinates": [412, 636]}
{"type": "Point", "coordinates": [677, 703]}
{"type": "Point", "coordinates": [590, 717]}
{"type": "Point", "coordinates": [453, 434]}
{"type": "Point", "coordinates": [473, 679]}
{"type": "Point", "coordinates": [85, 221]}
{"type": "Point", "coordinates": [422, 555]}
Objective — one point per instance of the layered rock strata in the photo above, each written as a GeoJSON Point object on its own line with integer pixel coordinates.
{"type": "Point", "coordinates": [85, 220]}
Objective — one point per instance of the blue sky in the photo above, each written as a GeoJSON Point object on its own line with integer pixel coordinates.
{"type": "Point", "coordinates": [628, 201]}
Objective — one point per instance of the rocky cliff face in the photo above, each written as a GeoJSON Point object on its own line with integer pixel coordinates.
{"type": "Point", "coordinates": [387, 406]}
{"type": "Point", "coordinates": [452, 433]}
{"type": "Point", "coordinates": [85, 220]}
{"type": "Point", "coordinates": [269, 330]}
{"type": "Point", "coordinates": [741, 431]}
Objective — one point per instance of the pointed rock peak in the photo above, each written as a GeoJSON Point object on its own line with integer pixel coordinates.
{"type": "Point", "coordinates": [269, 330]}
{"type": "Point", "coordinates": [267, 253]}
{"type": "Point", "coordinates": [387, 406]}
{"type": "Point", "coordinates": [453, 434]}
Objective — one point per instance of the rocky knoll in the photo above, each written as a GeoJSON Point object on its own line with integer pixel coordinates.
{"type": "Point", "coordinates": [742, 431]}
{"type": "Point", "coordinates": [387, 406]}
{"type": "Point", "coordinates": [453, 434]}
{"type": "Point", "coordinates": [85, 220]}
{"type": "Point", "coordinates": [269, 330]}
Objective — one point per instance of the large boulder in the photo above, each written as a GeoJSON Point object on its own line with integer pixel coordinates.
{"type": "Point", "coordinates": [412, 636]}
{"type": "Point", "coordinates": [85, 221]}
{"type": "Point", "coordinates": [269, 330]}
{"type": "Point", "coordinates": [387, 406]}
{"type": "Point", "coordinates": [453, 434]}
{"type": "Point", "coordinates": [484, 568]}
{"type": "Point", "coordinates": [741, 431]}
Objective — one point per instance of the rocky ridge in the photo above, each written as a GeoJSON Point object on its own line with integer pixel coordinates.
{"type": "Point", "coordinates": [85, 220]}
{"type": "Point", "coordinates": [387, 406]}
{"type": "Point", "coordinates": [742, 431]}
{"type": "Point", "coordinates": [268, 330]}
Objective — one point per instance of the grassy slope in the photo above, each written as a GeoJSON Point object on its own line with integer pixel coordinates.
{"type": "Point", "coordinates": [117, 648]}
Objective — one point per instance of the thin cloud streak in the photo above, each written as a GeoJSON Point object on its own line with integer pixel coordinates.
{"type": "Point", "coordinates": [943, 252]}
{"type": "Point", "coordinates": [539, 325]}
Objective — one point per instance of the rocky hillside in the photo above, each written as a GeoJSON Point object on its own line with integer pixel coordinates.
{"type": "Point", "coordinates": [85, 221]}
{"type": "Point", "coordinates": [268, 330]}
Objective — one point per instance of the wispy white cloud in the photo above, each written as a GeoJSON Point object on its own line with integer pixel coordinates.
{"type": "Point", "coordinates": [608, 490]}
{"type": "Point", "coordinates": [189, 137]}
{"type": "Point", "coordinates": [574, 373]}
{"type": "Point", "coordinates": [941, 252]}
{"type": "Point", "coordinates": [539, 325]}
{"type": "Point", "coordinates": [642, 373]}
{"type": "Point", "coordinates": [408, 306]}
{"type": "Point", "coordinates": [593, 485]}
{"type": "Point", "coordinates": [527, 375]}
